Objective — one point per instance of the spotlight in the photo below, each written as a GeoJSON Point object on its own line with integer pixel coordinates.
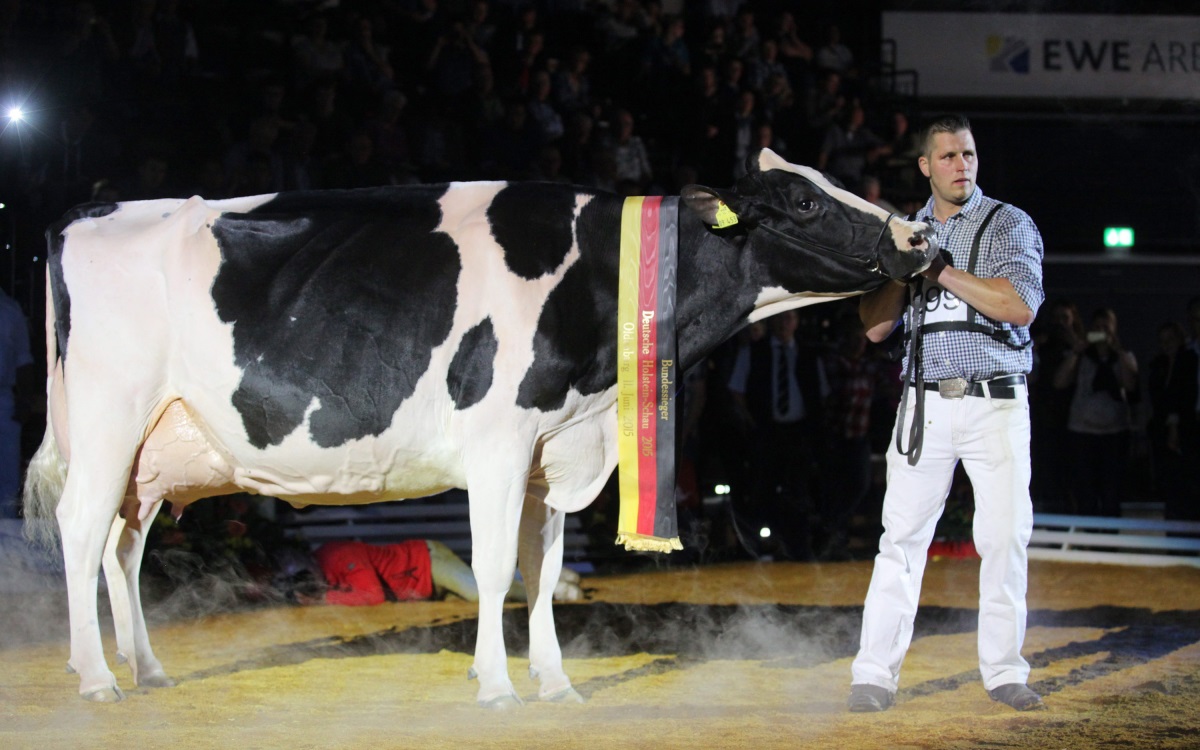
{"type": "Point", "coordinates": [764, 532]}
{"type": "Point", "coordinates": [16, 114]}
{"type": "Point", "coordinates": [721, 489]}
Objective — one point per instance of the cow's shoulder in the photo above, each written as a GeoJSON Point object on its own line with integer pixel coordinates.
{"type": "Point", "coordinates": [533, 223]}
{"type": "Point", "coordinates": [575, 343]}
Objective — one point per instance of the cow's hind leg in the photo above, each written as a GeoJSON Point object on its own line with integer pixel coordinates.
{"type": "Point", "coordinates": [103, 444]}
{"type": "Point", "coordinates": [85, 516]}
{"type": "Point", "coordinates": [541, 553]}
{"type": "Point", "coordinates": [122, 568]}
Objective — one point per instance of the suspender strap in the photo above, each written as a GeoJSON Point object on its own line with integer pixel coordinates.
{"type": "Point", "coordinates": [974, 261]}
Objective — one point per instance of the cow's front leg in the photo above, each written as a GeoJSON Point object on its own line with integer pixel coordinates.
{"type": "Point", "coordinates": [541, 552]}
{"type": "Point", "coordinates": [122, 570]}
{"type": "Point", "coordinates": [495, 518]}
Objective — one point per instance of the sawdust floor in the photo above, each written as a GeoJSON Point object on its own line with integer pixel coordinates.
{"type": "Point", "coordinates": [726, 656]}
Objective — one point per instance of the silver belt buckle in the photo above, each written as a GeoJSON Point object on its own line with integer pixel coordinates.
{"type": "Point", "coordinates": [954, 388]}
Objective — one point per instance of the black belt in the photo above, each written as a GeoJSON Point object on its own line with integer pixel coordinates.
{"type": "Point", "coordinates": [1006, 386]}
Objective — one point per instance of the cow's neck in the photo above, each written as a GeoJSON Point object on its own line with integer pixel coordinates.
{"type": "Point", "coordinates": [714, 299]}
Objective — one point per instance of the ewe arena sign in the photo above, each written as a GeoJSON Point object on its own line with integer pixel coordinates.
{"type": "Point", "coordinates": [1062, 56]}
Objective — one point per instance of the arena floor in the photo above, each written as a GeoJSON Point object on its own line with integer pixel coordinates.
{"type": "Point", "coordinates": [726, 656]}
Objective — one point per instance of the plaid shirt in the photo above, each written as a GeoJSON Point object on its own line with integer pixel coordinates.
{"type": "Point", "coordinates": [1011, 249]}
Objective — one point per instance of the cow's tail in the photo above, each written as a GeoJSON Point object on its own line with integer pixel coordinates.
{"type": "Point", "coordinates": [44, 481]}
{"type": "Point", "coordinates": [47, 472]}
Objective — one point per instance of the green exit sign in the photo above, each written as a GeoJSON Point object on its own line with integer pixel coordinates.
{"type": "Point", "coordinates": [1118, 236]}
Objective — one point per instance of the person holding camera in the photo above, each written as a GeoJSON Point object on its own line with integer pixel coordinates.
{"type": "Point", "coordinates": [1105, 377]}
{"type": "Point", "coordinates": [965, 399]}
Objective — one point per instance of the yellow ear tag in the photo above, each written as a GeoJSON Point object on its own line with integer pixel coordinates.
{"type": "Point", "coordinates": [725, 216]}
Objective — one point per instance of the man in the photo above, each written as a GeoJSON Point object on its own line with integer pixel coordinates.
{"type": "Point", "coordinates": [778, 390]}
{"type": "Point", "coordinates": [965, 390]}
{"type": "Point", "coordinates": [15, 371]}
{"type": "Point", "coordinates": [356, 574]}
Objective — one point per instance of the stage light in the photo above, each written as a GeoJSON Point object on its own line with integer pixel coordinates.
{"type": "Point", "coordinates": [764, 532]}
{"type": "Point", "coordinates": [16, 114]}
{"type": "Point", "coordinates": [721, 489]}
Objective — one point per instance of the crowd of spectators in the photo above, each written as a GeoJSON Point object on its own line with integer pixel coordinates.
{"type": "Point", "coordinates": [133, 99]}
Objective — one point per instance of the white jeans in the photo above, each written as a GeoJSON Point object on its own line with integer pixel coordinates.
{"type": "Point", "coordinates": [991, 438]}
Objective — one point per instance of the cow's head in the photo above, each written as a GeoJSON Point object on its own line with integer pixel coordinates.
{"type": "Point", "coordinates": [812, 236]}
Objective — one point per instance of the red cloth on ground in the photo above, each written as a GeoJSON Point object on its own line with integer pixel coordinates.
{"type": "Point", "coordinates": [358, 572]}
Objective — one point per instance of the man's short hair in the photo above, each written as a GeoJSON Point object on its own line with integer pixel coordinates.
{"type": "Point", "coordinates": [949, 123]}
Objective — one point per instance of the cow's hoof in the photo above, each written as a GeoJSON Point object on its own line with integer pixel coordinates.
{"type": "Point", "coordinates": [155, 680]}
{"type": "Point", "coordinates": [503, 703]}
{"type": "Point", "coordinates": [566, 695]}
{"type": "Point", "coordinates": [122, 658]}
{"type": "Point", "coordinates": [69, 669]}
{"type": "Point", "coordinates": [105, 695]}
{"type": "Point", "coordinates": [472, 674]}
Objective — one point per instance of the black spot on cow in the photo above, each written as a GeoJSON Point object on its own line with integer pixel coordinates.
{"type": "Point", "coordinates": [58, 284]}
{"type": "Point", "coordinates": [532, 224]}
{"type": "Point", "coordinates": [337, 296]}
{"type": "Point", "coordinates": [575, 345]}
{"type": "Point", "coordinates": [471, 370]}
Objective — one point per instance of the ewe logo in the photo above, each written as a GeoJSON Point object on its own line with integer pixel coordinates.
{"type": "Point", "coordinates": [1007, 55]}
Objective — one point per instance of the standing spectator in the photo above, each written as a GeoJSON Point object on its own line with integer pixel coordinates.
{"type": "Point", "coordinates": [778, 391]}
{"type": "Point", "coordinates": [1172, 427]}
{"type": "Point", "coordinates": [1061, 333]}
{"type": "Point", "coordinates": [452, 63]}
{"type": "Point", "coordinates": [15, 367]}
{"type": "Point", "coordinates": [368, 71]}
{"type": "Point", "coordinates": [969, 388]}
{"type": "Point", "coordinates": [795, 54]}
{"type": "Point", "coordinates": [1105, 377]}
{"type": "Point", "coordinates": [853, 376]}
{"type": "Point", "coordinates": [745, 121]}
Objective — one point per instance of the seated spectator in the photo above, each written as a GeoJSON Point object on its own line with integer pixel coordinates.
{"type": "Point", "coordinates": [629, 154]}
{"type": "Point", "coordinates": [849, 148]}
{"type": "Point", "coordinates": [314, 55]}
{"type": "Point", "coordinates": [356, 165]}
{"type": "Point", "coordinates": [358, 574]}
{"type": "Point", "coordinates": [511, 145]}
{"type": "Point", "coordinates": [872, 190]}
{"type": "Point", "coordinates": [545, 117]}
{"type": "Point", "coordinates": [833, 55]}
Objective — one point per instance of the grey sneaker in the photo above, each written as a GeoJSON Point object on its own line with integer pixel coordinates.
{"type": "Point", "coordinates": [1018, 696]}
{"type": "Point", "coordinates": [870, 699]}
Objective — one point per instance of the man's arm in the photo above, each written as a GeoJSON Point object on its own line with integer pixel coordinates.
{"type": "Point", "coordinates": [882, 309]}
{"type": "Point", "coordinates": [994, 298]}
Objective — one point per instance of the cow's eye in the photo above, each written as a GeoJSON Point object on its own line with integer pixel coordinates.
{"type": "Point", "coordinates": [806, 206]}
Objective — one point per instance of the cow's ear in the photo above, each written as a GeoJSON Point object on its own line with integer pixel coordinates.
{"type": "Point", "coordinates": [712, 208]}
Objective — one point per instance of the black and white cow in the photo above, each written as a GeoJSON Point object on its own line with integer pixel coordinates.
{"type": "Point", "coordinates": [351, 347]}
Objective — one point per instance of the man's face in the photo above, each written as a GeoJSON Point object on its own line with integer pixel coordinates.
{"type": "Point", "coordinates": [951, 166]}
